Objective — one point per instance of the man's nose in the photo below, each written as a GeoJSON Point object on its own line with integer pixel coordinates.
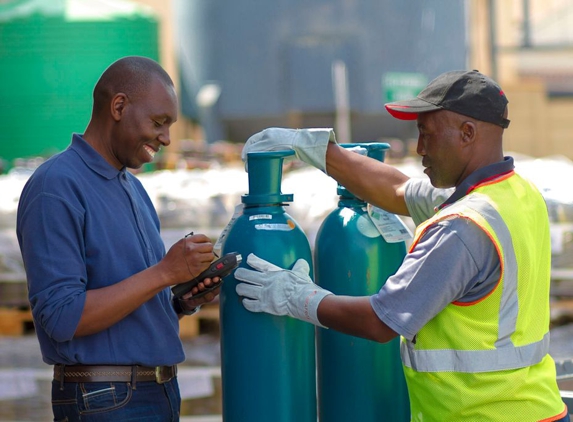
{"type": "Point", "coordinates": [164, 137]}
{"type": "Point", "coordinates": [420, 148]}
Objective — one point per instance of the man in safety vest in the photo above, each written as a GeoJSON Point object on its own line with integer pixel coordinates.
{"type": "Point", "coordinates": [471, 299]}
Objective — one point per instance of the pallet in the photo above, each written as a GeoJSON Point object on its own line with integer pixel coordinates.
{"type": "Point", "coordinates": [18, 321]}
{"type": "Point", "coordinates": [199, 323]}
{"type": "Point", "coordinates": [15, 321]}
{"type": "Point", "coordinates": [13, 291]}
{"type": "Point", "coordinates": [561, 312]}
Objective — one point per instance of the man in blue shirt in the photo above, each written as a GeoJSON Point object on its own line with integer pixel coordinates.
{"type": "Point", "coordinates": [98, 275]}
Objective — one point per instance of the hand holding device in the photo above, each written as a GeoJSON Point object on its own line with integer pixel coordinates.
{"type": "Point", "coordinates": [219, 268]}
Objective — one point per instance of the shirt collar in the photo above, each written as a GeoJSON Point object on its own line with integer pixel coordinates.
{"type": "Point", "coordinates": [93, 159]}
{"type": "Point", "coordinates": [478, 177]}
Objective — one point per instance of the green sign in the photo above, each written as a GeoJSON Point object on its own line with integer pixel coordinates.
{"type": "Point", "coordinates": [397, 86]}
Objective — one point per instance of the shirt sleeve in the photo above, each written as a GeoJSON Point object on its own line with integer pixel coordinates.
{"type": "Point", "coordinates": [53, 253]}
{"type": "Point", "coordinates": [454, 261]}
{"type": "Point", "coordinates": [422, 199]}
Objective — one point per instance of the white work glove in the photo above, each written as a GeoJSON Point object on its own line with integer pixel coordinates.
{"type": "Point", "coordinates": [308, 144]}
{"type": "Point", "coordinates": [276, 291]}
{"type": "Point", "coordinates": [359, 150]}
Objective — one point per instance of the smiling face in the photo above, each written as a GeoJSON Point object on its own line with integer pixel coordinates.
{"type": "Point", "coordinates": [142, 123]}
{"type": "Point", "coordinates": [443, 147]}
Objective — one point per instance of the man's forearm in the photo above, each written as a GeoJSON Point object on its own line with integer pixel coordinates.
{"type": "Point", "coordinates": [377, 183]}
{"type": "Point", "coordinates": [353, 316]}
{"type": "Point", "coordinates": [108, 305]}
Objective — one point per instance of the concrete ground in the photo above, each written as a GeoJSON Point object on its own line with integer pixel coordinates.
{"type": "Point", "coordinates": [25, 380]}
{"type": "Point", "coordinates": [26, 397]}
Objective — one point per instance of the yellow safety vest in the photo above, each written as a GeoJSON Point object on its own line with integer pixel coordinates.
{"type": "Point", "coordinates": [488, 360]}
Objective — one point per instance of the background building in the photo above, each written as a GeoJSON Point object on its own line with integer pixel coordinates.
{"type": "Point", "coordinates": [527, 46]}
{"type": "Point", "coordinates": [241, 66]}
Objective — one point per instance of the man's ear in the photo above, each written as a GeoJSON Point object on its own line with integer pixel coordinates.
{"type": "Point", "coordinates": [469, 132]}
{"type": "Point", "coordinates": [118, 104]}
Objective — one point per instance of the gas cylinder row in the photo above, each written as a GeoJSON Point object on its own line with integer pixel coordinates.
{"type": "Point", "coordinates": [274, 369]}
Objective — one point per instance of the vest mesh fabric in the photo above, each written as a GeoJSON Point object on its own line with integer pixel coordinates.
{"type": "Point", "coordinates": [487, 360]}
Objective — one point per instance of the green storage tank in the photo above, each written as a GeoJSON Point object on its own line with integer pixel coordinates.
{"type": "Point", "coordinates": [51, 55]}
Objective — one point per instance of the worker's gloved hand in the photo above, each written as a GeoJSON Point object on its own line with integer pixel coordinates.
{"type": "Point", "coordinates": [276, 291]}
{"type": "Point", "coordinates": [308, 144]}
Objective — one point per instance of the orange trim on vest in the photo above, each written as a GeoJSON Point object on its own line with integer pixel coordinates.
{"type": "Point", "coordinates": [498, 179]}
{"type": "Point", "coordinates": [458, 303]}
{"type": "Point", "coordinates": [487, 183]}
{"type": "Point", "coordinates": [502, 269]}
{"type": "Point", "coordinates": [556, 417]}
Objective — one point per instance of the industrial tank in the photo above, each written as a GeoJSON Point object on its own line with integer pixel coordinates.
{"type": "Point", "coordinates": [247, 65]}
{"type": "Point", "coordinates": [51, 55]}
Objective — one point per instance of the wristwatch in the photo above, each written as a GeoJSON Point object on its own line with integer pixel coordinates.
{"type": "Point", "coordinates": [179, 309]}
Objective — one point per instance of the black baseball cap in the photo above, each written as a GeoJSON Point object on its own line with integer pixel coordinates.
{"type": "Point", "coordinates": [464, 92]}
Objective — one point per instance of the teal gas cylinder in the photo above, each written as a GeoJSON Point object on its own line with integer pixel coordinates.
{"type": "Point", "coordinates": [358, 379]}
{"type": "Point", "coordinates": [267, 362]}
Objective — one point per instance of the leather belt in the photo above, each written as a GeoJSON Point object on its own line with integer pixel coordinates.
{"type": "Point", "coordinates": [113, 373]}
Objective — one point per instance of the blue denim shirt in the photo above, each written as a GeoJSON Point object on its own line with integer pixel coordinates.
{"type": "Point", "coordinates": [82, 224]}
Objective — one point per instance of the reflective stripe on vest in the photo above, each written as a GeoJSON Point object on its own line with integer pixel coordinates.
{"type": "Point", "coordinates": [506, 355]}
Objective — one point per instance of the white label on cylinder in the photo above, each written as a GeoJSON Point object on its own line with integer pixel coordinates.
{"type": "Point", "coordinates": [277, 227]}
{"type": "Point", "coordinates": [261, 217]}
{"type": "Point", "coordinates": [365, 226]}
{"type": "Point", "coordinates": [390, 226]}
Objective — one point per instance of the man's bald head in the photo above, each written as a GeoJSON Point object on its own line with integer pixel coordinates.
{"type": "Point", "coordinates": [130, 75]}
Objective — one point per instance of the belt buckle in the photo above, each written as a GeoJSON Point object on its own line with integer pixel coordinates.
{"type": "Point", "coordinates": [159, 375]}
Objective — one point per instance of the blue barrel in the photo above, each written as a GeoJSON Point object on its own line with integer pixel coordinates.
{"type": "Point", "coordinates": [267, 362]}
{"type": "Point", "coordinates": [358, 379]}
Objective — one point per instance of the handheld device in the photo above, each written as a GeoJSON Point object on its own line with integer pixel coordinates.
{"type": "Point", "coordinates": [219, 268]}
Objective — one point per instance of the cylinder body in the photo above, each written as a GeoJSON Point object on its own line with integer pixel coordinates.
{"type": "Point", "coordinates": [267, 362]}
{"type": "Point", "coordinates": [358, 379]}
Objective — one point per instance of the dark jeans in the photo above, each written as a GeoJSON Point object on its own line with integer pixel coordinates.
{"type": "Point", "coordinates": [565, 419]}
{"type": "Point", "coordinates": [116, 401]}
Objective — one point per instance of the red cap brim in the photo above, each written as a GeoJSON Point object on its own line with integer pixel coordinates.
{"type": "Point", "coordinates": [410, 109]}
{"type": "Point", "coordinates": [402, 115]}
